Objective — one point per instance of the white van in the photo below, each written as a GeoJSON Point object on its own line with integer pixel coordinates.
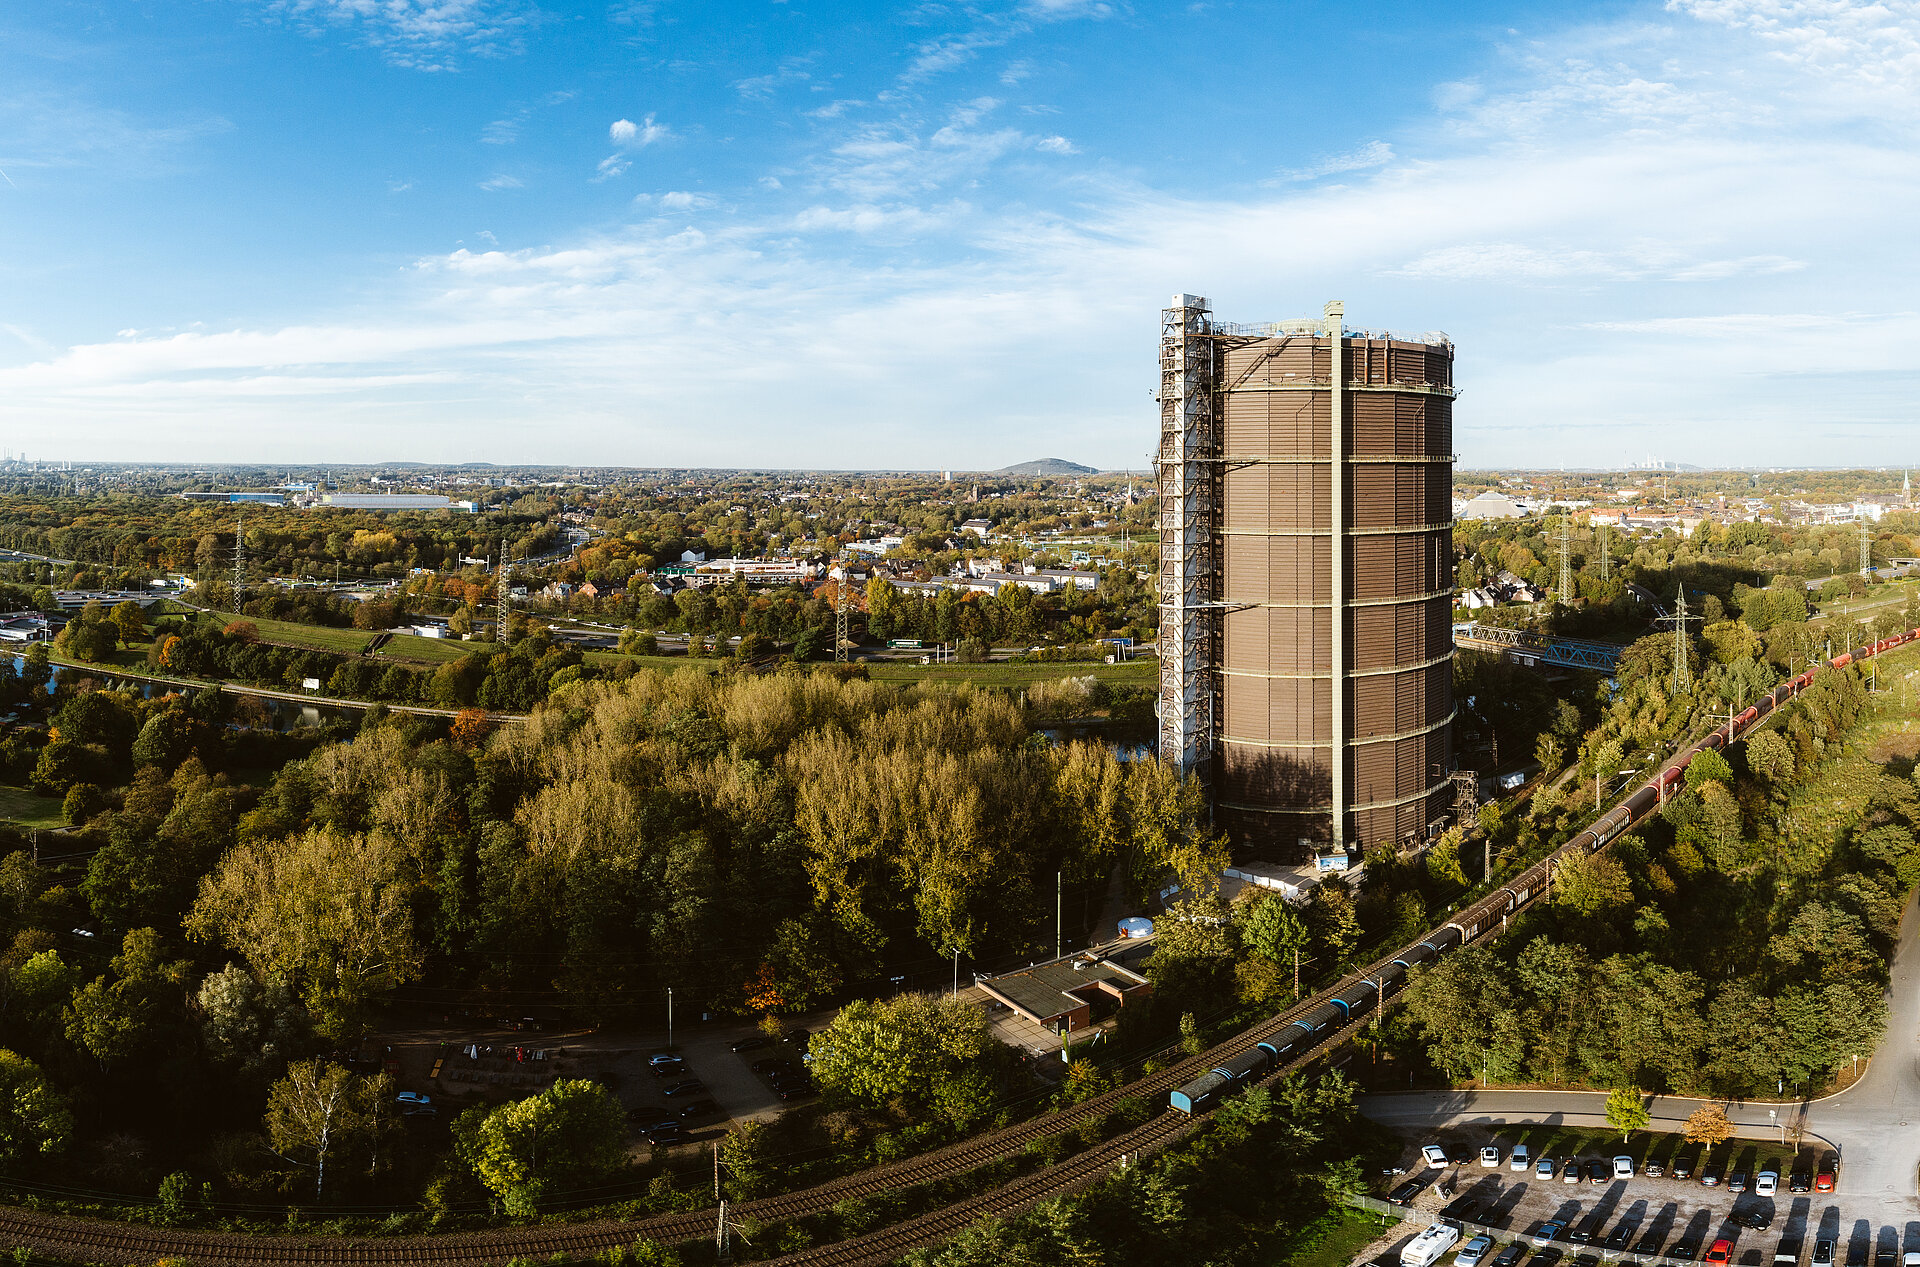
{"type": "Point", "coordinates": [1427, 1248]}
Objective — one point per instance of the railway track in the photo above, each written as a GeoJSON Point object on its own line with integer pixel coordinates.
{"type": "Point", "coordinates": [101, 1241]}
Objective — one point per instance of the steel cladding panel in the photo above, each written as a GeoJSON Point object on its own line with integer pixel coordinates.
{"type": "Point", "coordinates": [1272, 496]}
{"type": "Point", "coordinates": [1276, 423]}
{"type": "Point", "coordinates": [1267, 640]}
{"type": "Point", "coordinates": [1277, 570]}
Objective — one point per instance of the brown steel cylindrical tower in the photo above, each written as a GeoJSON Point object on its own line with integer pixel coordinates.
{"type": "Point", "coordinates": [1331, 674]}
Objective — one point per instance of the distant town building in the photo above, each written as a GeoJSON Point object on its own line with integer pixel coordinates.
{"type": "Point", "coordinates": [1490, 505]}
{"type": "Point", "coordinates": [386, 501]}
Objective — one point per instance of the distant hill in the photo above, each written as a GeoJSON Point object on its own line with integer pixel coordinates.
{"type": "Point", "coordinates": [1047, 466]}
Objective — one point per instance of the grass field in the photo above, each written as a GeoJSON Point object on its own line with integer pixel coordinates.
{"type": "Point", "coordinates": [338, 641]}
{"type": "Point", "coordinates": [1332, 1240]}
{"type": "Point", "coordinates": [431, 650]}
{"type": "Point", "coordinates": [27, 808]}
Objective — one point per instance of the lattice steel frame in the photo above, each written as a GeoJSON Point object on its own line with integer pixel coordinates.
{"type": "Point", "coordinates": [1189, 474]}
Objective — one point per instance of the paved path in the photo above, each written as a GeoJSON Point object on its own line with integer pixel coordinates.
{"type": "Point", "coordinates": [1872, 1123]}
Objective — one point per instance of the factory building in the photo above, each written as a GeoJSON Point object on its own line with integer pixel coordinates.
{"type": "Point", "coordinates": [1306, 494]}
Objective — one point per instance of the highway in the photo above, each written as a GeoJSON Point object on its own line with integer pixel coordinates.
{"type": "Point", "coordinates": [1871, 1123]}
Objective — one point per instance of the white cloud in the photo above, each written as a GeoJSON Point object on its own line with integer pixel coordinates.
{"type": "Point", "coordinates": [638, 135]}
{"type": "Point", "coordinates": [612, 165]}
{"type": "Point", "coordinates": [1055, 145]}
{"type": "Point", "coordinates": [681, 200]}
{"type": "Point", "coordinates": [502, 181]}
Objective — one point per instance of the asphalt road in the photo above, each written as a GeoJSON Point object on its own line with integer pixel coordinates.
{"type": "Point", "coordinates": [1871, 1123]}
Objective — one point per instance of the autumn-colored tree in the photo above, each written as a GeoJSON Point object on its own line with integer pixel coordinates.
{"type": "Point", "coordinates": [471, 726]}
{"type": "Point", "coordinates": [1709, 1125]}
{"type": "Point", "coordinates": [242, 630]}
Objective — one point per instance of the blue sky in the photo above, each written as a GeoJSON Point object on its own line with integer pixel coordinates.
{"type": "Point", "coordinates": [864, 235]}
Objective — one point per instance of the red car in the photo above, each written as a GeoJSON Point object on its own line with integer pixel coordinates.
{"type": "Point", "coordinates": [1722, 1252]}
{"type": "Point", "coordinates": [1829, 1167]}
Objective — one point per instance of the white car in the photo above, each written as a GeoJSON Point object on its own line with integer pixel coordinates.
{"type": "Point", "coordinates": [1473, 1251]}
{"type": "Point", "coordinates": [1766, 1183]}
{"type": "Point", "coordinates": [1436, 1156]}
{"type": "Point", "coordinates": [1490, 1157]}
{"type": "Point", "coordinates": [1544, 1170]}
{"type": "Point", "coordinates": [1623, 1167]}
{"type": "Point", "coordinates": [1518, 1160]}
{"type": "Point", "coordinates": [1572, 1173]}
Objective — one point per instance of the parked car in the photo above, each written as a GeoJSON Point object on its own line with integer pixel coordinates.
{"type": "Point", "coordinates": [666, 1066]}
{"type": "Point", "coordinates": [1654, 1169]}
{"type": "Point", "coordinates": [1547, 1235]}
{"type": "Point", "coordinates": [1586, 1229]}
{"type": "Point", "coordinates": [798, 1089]}
{"type": "Point", "coordinates": [1436, 1156]}
{"type": "Point", "coordinates": [690, 1086]}
{"type": "Point", "coordinates": [771, 1064]}
{"type": "Point", "coordinates": [1737, 1181]}
{"type": "Point", "coordinates": [753, 1042]}
{"type": "Point", "coordinates": [1684, 1162]}
{"type": "Point", "coordinates": [1545, 1258]}
{"type": "Point", "coordinates": [1510, 1255]}
{"type": "Point", "coordinates": [1543, 1169]}
{"type": "Point", "coordinates": [1490, 1157]}
{"type": "Point", "coordinates": [1572, 1173]}
{"type": "Point", "coordinates": [415, 1104]}
{"type": "Point", "coordinates": [1623, 1167]}
{"type": "Point", "coordinates": [1649, 1245]}
{"type": "Point", "coordinates": [663, 1133]}
{"type": "Point", "coordinates": [1405, 1193]}
{"type": "Point", "coordinates": [1519, 1159]}
{"type": "Point", "coordinates": [1755, 1219]}
{"type": "Point", "coordinates": [1596, 1171]}
{"type": "Point", "coordinates": [1622, 1235]}
{"type": "Point", "coordinates": [1822, 1253]}
{"type": "Point", "coordinates": [699, 1108]}
{"type": "Point", "coordinates": [1884, 1257]}
{"type": "Point", "coordinates": [1684, 1250]}
{"type": "Point", "coordinates": [1473, 1251]}
{"type": "Point", "coordinates": [1586, 1260]}
{"type": "Point", "coordinates": [1710, 1174]}
{"type": "Point", "coordinates": [1722, 1252]}
{"type": "Point", "coordinates": [1801, 1180]}
{"type": "Point", "coordinates": [1766, 1183]}
{"type": "Point", "coordinates": [1828, 1174]}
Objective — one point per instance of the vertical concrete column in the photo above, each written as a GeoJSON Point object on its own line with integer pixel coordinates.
{"type": "Point", "coordinates": [1335, 328]}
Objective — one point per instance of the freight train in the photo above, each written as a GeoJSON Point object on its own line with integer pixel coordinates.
{"type": "Point", "coordinates": [1299, 1033]}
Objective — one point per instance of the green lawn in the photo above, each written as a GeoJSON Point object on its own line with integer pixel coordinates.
{"type": "Point", "coordinates": [27, 808]}
{"type": "Point", "coordinates": [431, 650]}
{"type": "Point", "coordinates": [1332, 1240]}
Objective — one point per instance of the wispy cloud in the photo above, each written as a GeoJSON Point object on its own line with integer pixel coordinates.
{"type": "Point", "coordinates": [429, 35]}
{"type": "Point", "coordinates": [502, 181]}
{"type": "Point", "coordinates": [634, 136]}
{"type": "Point", "coordinates": [1372, 154]}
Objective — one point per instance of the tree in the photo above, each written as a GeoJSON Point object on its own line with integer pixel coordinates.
{"type": "Point", "coordinates": [246, 1024]}
{"type": "Point", "coordinates": [326, 910]}
{"type": "Point", "coordinates": [35, 1120]}
{"type": "Point", "coordinates": [1706, 767]}
{"type": "Point", "coordinates": [750, 1159]}
{"type": "Point", "coordinates": [1771, 757]}
{"type": "Point", "coordinates": [1273, 931]}
{"type": "Point", "coordinates": [126, 1020]}
{"type": "Point", "coordinates": [131, 620]}
{"type": "Point", "coordinates": [83, 801]}
{"type": "Point", "coordinates": [571, 1133]}
{"type": "Point", "coordinates": [320, 1117]}
{"type": "Point", "coordinates": [1626, 1111]}
{"type": "Point", "coordinates": [1708, 1125]}
{"type": "Point", "coordinates": [877, 1050]}
{"type": "Point", "coordinates": [471, 726]}
{"type": "Point", "coordinates": [1591, 884]}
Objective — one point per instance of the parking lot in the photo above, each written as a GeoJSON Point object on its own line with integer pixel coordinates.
{"type": "Point", "coordinates": [1643, 1218]}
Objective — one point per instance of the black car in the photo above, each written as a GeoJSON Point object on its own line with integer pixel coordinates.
{"type": "Point", "coordinates": [1465, 1210]}
{"type": "Point", "coordinates": [753, 1042]}
{"type": "Point", "coordinates": [1510, 1255]}
{"type": "Point", "coordinates": [1685, 1250]}
{"type": "Point", "coordinates": [1753, 1220]}
{"type": "Point", "coordinates": [1884, 1257]}
{"type": "Point", "coordinates": [699, 1108]}
{"type": "Point", "coordinates": [1405, 1193]}
{"type": "Point", "coordinates": [1710, 1174]}
{"type": "Point", "coordinates": [1597, 1171]}
{"type": "Point", "coordinates": [1622, 1236]}
{"type": "Point", "coordinates": [771, 1065]}
{"type": "Point", "coordinates": [1546, 1257]}
{"type": "Point", "coordinates": [1586, 1260]}
{"type": "Point", "coordinates": [661, 1133]}
{"type": "Point", "coordinates": [1582, 1232]}
{"type": "Point", "coordinates": [795, 1090]}
{"type": "Point", "coordinates": [1649, 1244]}
{"type": "Point", "coordinates": [1800, 1180]}
{"type": "Point", "coordinates": [1683, 1163]}
{"type": "Point", "coordinates": [666, 1067]}
{"type": "Point", "coordinates": [688, 1087]}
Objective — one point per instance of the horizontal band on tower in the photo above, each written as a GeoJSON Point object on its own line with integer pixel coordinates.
{"type": "Point", "coordinates": [1353, 673]}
